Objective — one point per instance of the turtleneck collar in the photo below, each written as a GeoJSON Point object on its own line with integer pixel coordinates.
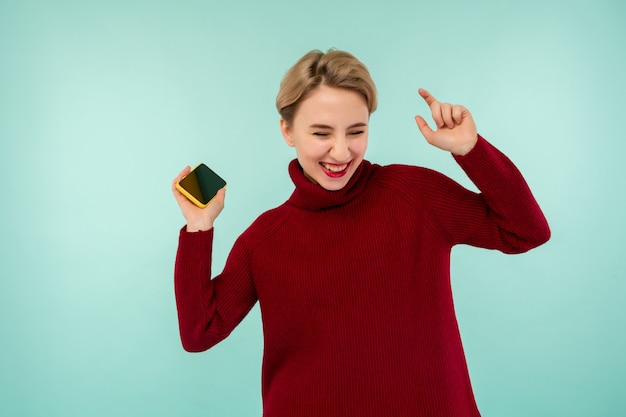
{"type": "Point", "coordinates": [311, 196]}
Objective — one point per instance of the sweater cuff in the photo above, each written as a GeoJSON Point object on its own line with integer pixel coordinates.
{"type": "Point", "coordinates": [183, 230]}
{"type": "Point", "coordinates": [477, 151]}
{"type": "Point", "coordinates": [195, 239]}
{"type": "Point", "coordinates": [194, 251]}
{"type": "Point", "coordinates": [484, 157]}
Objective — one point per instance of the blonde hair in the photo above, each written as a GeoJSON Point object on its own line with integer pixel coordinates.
{"type": "Point", "coordinates": [334, 68]}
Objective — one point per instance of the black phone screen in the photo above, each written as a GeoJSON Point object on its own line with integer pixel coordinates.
{"type": "Point", "coordinates": [202, 183]}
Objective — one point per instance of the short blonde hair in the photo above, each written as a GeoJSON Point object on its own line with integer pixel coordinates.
{"type": "Point", "coordinates": [334, 68]}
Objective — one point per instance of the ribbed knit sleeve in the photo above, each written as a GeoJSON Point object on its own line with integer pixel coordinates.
{"type": "Point", "coordinates": [503, 216]}
{"type": "Point", "coordinates": [209, 309]}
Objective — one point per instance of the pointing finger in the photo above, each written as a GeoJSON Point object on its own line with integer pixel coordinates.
{"type": "Point", "coordinates": [435, 106]}
{"type": "Point", "coordinates": [437, 110]}
{"type": "Point", "coordinates": [429, 98]}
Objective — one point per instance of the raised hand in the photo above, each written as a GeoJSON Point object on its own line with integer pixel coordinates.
{"type": "Point", "coordinates": [198, 218]}
{"type": "Point", "coordinates": [456, 131]}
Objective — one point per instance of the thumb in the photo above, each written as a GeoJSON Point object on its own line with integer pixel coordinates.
{"type": "Point", "coordinates": [221, 195]}
{"type": "Point", "coordinates": [427, 132]}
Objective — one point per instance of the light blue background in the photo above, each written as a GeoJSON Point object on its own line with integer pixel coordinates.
{"type": "Point", "coordinates": [102, 103]}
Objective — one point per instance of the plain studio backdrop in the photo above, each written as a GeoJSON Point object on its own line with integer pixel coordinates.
{"type": "Point", "coordinates": [103, 103]}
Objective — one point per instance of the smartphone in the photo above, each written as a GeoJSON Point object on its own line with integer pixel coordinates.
{"type": "Point", "coordinates": [201, 185]}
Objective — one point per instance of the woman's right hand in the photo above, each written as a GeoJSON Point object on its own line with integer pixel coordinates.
{"type": "Point", "coordinates": [198, 218]}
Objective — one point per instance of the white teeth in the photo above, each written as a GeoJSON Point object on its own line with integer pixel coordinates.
{"type": "Point", "coordinates": [335, 168]}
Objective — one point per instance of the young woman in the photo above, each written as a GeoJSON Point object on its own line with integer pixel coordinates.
{"type": "Point", "coordinates": [352, 272]}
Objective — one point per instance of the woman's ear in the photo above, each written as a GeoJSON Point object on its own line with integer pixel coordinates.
{"type": "Point", "coordinates": [286, 131]}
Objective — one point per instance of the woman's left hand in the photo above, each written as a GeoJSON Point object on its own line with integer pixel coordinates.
{"type": "Point", "coordinates": [456, 131]}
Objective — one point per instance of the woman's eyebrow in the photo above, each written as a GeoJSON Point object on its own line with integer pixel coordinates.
{"type": "Point", "coordinates": [323, 126]}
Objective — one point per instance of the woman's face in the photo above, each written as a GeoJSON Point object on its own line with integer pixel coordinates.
{"type": "Point", "coordinates": [329, 133]}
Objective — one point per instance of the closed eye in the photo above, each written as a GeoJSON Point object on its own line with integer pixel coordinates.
{"type": "Point", "coordinates": [356, 132]}
{"type": "Point", "coordinates": [320, 134]}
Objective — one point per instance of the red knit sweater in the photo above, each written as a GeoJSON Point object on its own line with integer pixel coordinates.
{"type": "Point", "coordinates": [354, 286]}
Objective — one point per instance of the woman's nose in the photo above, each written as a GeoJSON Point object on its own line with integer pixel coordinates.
{"type": "Point", "coordinates": [340, 150]}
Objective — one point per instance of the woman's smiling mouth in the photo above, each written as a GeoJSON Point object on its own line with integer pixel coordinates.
{"type": "Point", "coordinates": [335, 170]}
